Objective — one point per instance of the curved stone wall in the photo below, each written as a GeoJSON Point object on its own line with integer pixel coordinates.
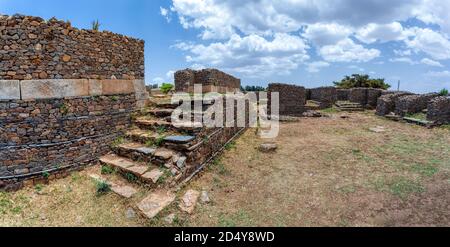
{"type": "Point", "coordinates": [32, 48]}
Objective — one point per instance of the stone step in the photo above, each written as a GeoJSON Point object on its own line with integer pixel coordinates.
{"type": "Point", "coordinates": [121, 190]}
{"type": "Point", "coordinates": [417, 121]}
{"type": "Point", "coordinates": [185, 126]}
{"type": "Point", "coordinates": [148, 174]}
{"type": "Point", "coordinates": [142, 136]}
{"type": "Point", "coordinates": [155, 202]}
{"type": "Point", "coordinates": [161, 113]}
{"type": "Point", "coordinates": [348, 109]}
{"type": "Point", "coordinates": [135, 151]}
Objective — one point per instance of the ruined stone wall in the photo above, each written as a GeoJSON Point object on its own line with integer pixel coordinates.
{"type": "Point", "coordinates": [292, 99]}
{"type": "Point", "coordinates": [372, 97]}
{"type": "Point", "coordinates": [212, 80]}
{"type": "Point", "coordinates": [32, 48]}
{"type": "Point", "coordinates": [358, 95]}
{"type": "Point", "coordinates": [439, 110]}
{"type": "Point", "coordinates": [413, 103]}
{"type": "Point", "coordinates": [343, 94]}
{"type": "Point", "coordinates": [54, 135]}
{"type": "Point", "coordinates": [386, 103]}
{"type": "Point", "coordinates": [326, 95]}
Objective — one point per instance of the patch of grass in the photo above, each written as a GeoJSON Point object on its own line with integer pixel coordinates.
{"type": "Point", "coordinates": [46, 175]}
{"type": "Point", "coordinates": [427, 170]}
{"type": "Point", "coordinates": [330, 110]}
{"type": "Point", "coordinates": [241, 218]}
{"type": "Point", "coordinates": [64, 109]}
{"type": "Point", "coordinates": [399, 186]}
{"type": "Point", "coordinates": [131, 177]}
{"type": "Point", "coordinates": [118, 141]}
{"type": "Point", "coordinates": [39, 187]}
{"type": "Point", "coordinates": [161, 130]}
{"type": "Point", "coordinates": [114, 98]}
{"type": "Point", "coordinates": [347, 189]}
{"type": "Point", "coordinates": [220, 167]}
{"type": "Point", "coordinates": [107, 170]}
{"type": "Point", "coordinates": [164, 177]}
{"type": "Point", "coordinates": [445, 126]}
{"type": "Point", "coordinates": [102, 187]}
{"type": "Point", "coordinates": [5, 203]}
{"type": "Point", "coordinates": [157, 142]}
{"type": "Point", "coordinates": [420, 116]}
{"type": "Point", "coordinates": [230, 145]}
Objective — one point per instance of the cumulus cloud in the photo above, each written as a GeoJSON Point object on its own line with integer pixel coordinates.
{"type": "Point", "coordinates": [264, 37]}
{"type": "Point", "coordinates": [251, 54]}
{"type": "Point", "coordinates": [166, 13]}
{"type": "Point", "coordinates": [348, 51]}
{"type": "Point", "coordinates": [315, 67]}
{"type": "Point", "coordinates": [430, 62]}
{"type": "Point", "coordinates": [444, 73]}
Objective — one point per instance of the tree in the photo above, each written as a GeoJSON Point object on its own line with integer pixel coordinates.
{"type": "Point", "coordinates": [166, 88]}
{"type": "Point", "coordinates": [254, 89]}
{"type": "Point", "coordinates": [357, 80]}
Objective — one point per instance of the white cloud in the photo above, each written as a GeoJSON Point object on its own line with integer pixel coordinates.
{"type": "Point", "coordinates": [158, 80]}
{"type": "Point", "coordinates": [322, 34]}
{"type": "Point", "coordinates": [381, 32]}
{"type": "Point", "coordinates": [434, 12]}
{"type": "Point", "coordinates": [315, 67]}
{"type": "Point", "coordinates": [403, 60]}
{"type": "Point", "coordinates": [431, 42]}
{"type": "Point", "coordinates": [403, 53]}
{"type": "Point", "coordinates": [170, 75]}
{"type": "Point", "coordinates": [348, 51]}
{"type": "Point", "coordinates": [430, 62]}
{"type": "Point", "coordinates": [251, 55]}
{"type": "Point", "coordinates": [166, 13]}
{"type": "Point", "coordinates": [444, 73]}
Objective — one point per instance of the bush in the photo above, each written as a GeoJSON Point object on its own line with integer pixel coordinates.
{"type": "Point", "coordinates": [357, 80]}
{"type": "Point", "coordinates": [254, 89]}
{"type": "Point", "coordinates": [166, 88]}
{"type": "Point", "coordinates": [95, 25]}
{"type": "Point", "coordinates": [443, 92]}
{"type": "Point", "coordinates": [102, 187]}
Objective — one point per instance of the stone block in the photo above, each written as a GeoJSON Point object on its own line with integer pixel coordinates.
{"type": "Point", "coordinates": [54, 88]}
{"type": "Point", "coordinates": [9, 89]}
{"type": "Point", "coordinates": [95, 87]}
{"type": "Point", "coordinates": [112, 87]}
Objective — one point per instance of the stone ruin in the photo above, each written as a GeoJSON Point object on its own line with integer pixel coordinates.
{"type": "Point", "coordinates": [292, 99]}
{"type": "Point", "coordinates": [439, 110]}
{"type": "Point", "coordinates": [386, 103]}
{"type": "Point", "coordinates": [212, 80]}
{"type": "Point", "coordinates": [65, 95]}
{"type": "Point", "coordinates": [327, 96]}
{"type": "Point", "coordinates": [411, 104]}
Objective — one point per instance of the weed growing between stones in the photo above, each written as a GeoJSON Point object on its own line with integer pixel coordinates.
{"type": "Point", "coordinates": [102, 187]}
{"type": "Point", "coordinates": [131, 177]}
{"type": "Point", "coordinates": [117, 142]}
{"type": "Point", "coordinates": [107, 170]}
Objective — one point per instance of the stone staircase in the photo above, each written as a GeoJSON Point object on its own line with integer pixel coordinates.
{"type": "Point", "coordinates": [349, 106]}
{"type": "Point", "coordinates": [155, 153]}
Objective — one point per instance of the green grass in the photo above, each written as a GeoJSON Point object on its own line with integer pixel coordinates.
{"type": "Point", "coordinates": [118, 141]}
{"type": "Point", "coordinates": [230, 145]}
{"type": "Point", "coordinates": [420, 116]}
{"type": "Point", "coordinates": [427, 170]}
{"type": "Point", "coordinates": [399, 186]}
{"type": "Point", "coordinates": [107, 170]}
{"type": "Point", "coordinates": [330, 110]}
{"type": "Point", "coordinates": [240, 218]}
{"type": "Point", "coordinates": [102, 187]}
{"type": "Point", "coordinates": [131, 177]}
{"type": "Point", "coordinates": [219, 167]}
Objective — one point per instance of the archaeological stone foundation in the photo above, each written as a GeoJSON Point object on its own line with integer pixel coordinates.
{"type": "Point", "coordinates": [65, 95]}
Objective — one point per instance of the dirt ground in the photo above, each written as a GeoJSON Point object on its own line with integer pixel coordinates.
{"type": "Point", "coordinates": [326, 172]}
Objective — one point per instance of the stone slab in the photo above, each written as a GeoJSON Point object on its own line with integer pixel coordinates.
{"type": "Point", "coordinates": [179, 139]}
{"type": "Point", "coordinates": [112, 87]}
{"type": "Point", "coordinates": [153, 175]}
{"type": "Point", "coordinates": [9, 89]}
{"type": "Point", "coordinates": [54, 88]}
{"type": "Point", "coordinates": [189, 201]}
{"type": "Point", "coordinates": [138, 170]}
{"type": "Point", "coordinates": [95, 87]}
{"type": "Point", "coordinates": [124, 191]}
{"type": "Point", "coordinates": [155, 202]}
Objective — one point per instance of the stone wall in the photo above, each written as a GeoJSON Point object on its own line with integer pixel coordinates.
{"type": "Point", "coordinates": [343, 94]}
{"type": "Point", "coordinates": [32, 48]}
{"type": "Point", "coordinates": [292, 99]}
{"type": "Point", "coordinates": [439, 110]}
{"type": "Point", "coordinates": [327, 96]}
{"type": "Point", "coordinates": [386, 103]}
{"type": "Point", "coordinates": [413, 103]}
{"type": "Point", "coordinates": [54, 135]}
{"type": "Point", "coordinates": [358, 95]}
{"type": "Point", "coordinates": [373, 94]}
{"type": "Point", "coordinates": [212, 80]}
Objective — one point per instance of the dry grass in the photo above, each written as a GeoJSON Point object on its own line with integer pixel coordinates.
{"type": "Point", "coordinates": [327, 172]}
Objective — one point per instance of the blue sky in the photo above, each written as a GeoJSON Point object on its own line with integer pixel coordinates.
{"type": "Point", "coordinates": [310, 43]}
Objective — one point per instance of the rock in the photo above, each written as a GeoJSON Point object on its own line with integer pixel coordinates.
{"type": "Point", "coordinates": [181, 162]}
{"type": "Point", "coordinates": [169, 219]}
{"type": "Point", "coordinates": [130, 214]}
{"type": "Point", "coordinates": [32, 36]}
{"type": "Point", "coordinates": [268, 147]}
{"type": "Point", "coordinates": [189, 201]}
{"type": "Point", "coordinates": [153, 175]}
{"type": "Point", "coordinates": [345, 117]}
{"type": "Point", "coordinates": [155, 202]}
{"type": "Point", "coordinates": [124, 191]}
{"type": "Point", "coordinates": [43, 75]}
{"type": "Point", "coordinates": [312, 114]}
{"type": "Point", "coordinates": [66, 58]}
{"type": "Point", "coordinates": [378, 129]}
{"type": "Point", "coordinates": [204, 198]}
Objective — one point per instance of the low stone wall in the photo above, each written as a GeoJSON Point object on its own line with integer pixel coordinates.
{"type": "Point", "coordinates": [343, 94]}
{"type": "Point", "coordinates": [326, 95]}
{"type": "Point", "coordinates": [386, 103]}
{"type": "Point", "coordinates": [212, 80]}
{"type": "Point", "coordinates": [372, 97]}
{"type": "Point", "coordinates": [358, 95]}
{"type": "Point", "coordinates": [47, 136]}
{"type": "Point", "coordinates": [413, 103]}
{"type": "Point", "coordinates": [32, 48]}
{"type": "Point", "coordinates": [292, 99]}
{"type": "Point", "coordinates": [439, 110]}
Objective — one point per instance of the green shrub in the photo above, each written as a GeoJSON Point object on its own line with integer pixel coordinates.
{"type": "Point", "coordinates": [96, 25]}
{"type": "Point", "coordinates": [443, 92]}
{"type": "Point", "coordinates": [107, 170]}
{"type": "Point", "coordinates": [357, 80]}
{"type": "Point", "coordinates": [102, 187]}
{"type": "Point", "coordinates": [166, 88]}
